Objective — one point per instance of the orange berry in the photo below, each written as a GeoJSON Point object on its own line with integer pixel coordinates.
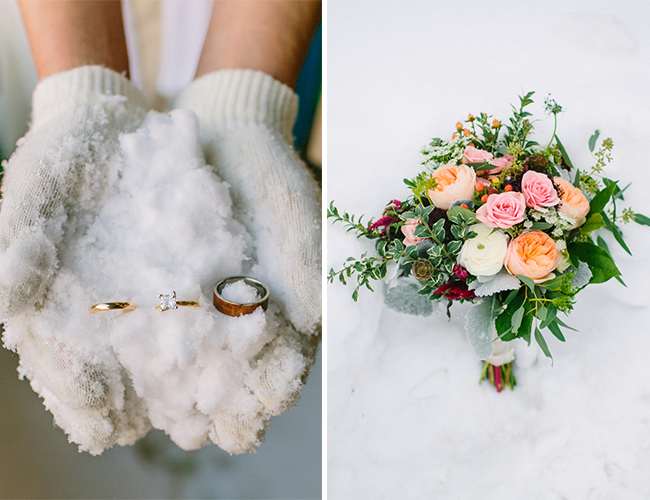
{"type": "Point", "coordinates": [508, 188]}
{"type": "Point", "coordinates": [479, 187]}
{"type": "Point", "coordinates": [484, 198]}
{"type": "Point", "coordinates": [496, 123]}
{"type": "Point", "coordinates": [463, 205]}
{"type": "Point", "coordinates": [459, 126]}
{"type": "Point", "coordinates": [494, 179]}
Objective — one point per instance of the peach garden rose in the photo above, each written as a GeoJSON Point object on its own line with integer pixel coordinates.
{"type": "Point", "coordinates": [573, 203]}
{"type": "Point", "coordinates": [533, 254]}
{"type": "Point", "coordinates": [454, 182]}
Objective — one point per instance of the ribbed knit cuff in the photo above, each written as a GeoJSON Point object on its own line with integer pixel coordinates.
{"type": "Point", "coordinates": [233, 96]}
{"type": "Point", "coordinates": [80, 86]}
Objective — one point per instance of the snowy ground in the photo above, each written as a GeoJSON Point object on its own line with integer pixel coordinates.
{"type": "Point", "coordinates": [407, 418]}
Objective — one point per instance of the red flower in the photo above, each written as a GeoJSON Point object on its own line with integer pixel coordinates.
{"type": "Point", "coordinates": [383, 222]}
{"type": "Point", "coordinates": [461, 272]}
{"type": "Point", "coordinates": [455, 290]}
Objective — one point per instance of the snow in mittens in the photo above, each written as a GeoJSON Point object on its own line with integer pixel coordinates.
{"type": "Point", "coordinates": [109, 376]}
{"type": "Point", "coordinates": [407, 417]}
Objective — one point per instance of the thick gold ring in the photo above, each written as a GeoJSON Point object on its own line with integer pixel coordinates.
{"type": "Point", "coordinates": [107, 306]}
{"type": "Point", "coordinates": [169, 302]}
{"type": "Point", "coordinates": [232, 308]}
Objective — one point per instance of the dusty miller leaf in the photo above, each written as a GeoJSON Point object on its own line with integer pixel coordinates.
{"type": "Point", "coordinates": [480, 326]}
{"type": "Point", "coordinates": [582, 276]}
{"type": "Point", "coordinates": [502, 281]}
{"type": "Point", "coordinates": [404, 298]}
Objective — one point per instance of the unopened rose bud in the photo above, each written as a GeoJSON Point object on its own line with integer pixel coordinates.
{"type": "Point", "coordinates": [459, 126]}
{"type": "Point", "coordinates": [496, 123]}
{"type": "Point", "coordinates": [470, 117]}
{"type": "Point", "coordinates": [466, 132]}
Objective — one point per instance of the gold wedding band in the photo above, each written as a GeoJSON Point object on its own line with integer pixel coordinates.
{"type": "Point", "coordinates": [231, 308]}
{"type": "Point", "coordinates": [169, 302]}
{"type": "Point", "coordinates": [108, 306]}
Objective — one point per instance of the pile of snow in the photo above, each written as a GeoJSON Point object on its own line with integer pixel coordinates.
{"type": "Point", "coordinates": [108, 377]}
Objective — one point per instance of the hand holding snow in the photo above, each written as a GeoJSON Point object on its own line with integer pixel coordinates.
{"type": "Point", "coordinates": [166, 224]}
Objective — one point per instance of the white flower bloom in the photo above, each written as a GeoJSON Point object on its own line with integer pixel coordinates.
{"type": "Point", "coordinates": [483, 255]}
{"type": "Point", "coordinates": [528, 224]}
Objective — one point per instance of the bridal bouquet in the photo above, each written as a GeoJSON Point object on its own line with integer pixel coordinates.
{"type": "Point", "coordinates": [500, 221]}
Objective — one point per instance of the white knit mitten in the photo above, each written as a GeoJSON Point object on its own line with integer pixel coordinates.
{"type": "Point", "coordinates": [55, 181]}
{"type": "Point", "coordinates": [53, 187]}
{"type": "Point", "coordinates": [246, 118]}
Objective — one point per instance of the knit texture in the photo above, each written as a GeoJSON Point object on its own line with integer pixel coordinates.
{"type": "Point", "coordinates": [53, 186]}
{"type": "Point", "coordinates": [246, 118]}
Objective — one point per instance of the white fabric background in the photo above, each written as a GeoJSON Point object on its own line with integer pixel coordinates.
{"type": "Point", "coordinates": [407, 418]}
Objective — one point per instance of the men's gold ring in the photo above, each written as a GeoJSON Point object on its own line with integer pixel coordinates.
{"type": "Point", "coordinates": [169, 302]}
{"type": "Point", "coordinates": [232, 308]}
{"type": "Point", "coordinates": [108, 306]}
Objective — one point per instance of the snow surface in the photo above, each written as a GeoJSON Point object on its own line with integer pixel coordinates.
{"type": "Point", "coordinates": [407, 417]}
{"type": "Point", "coordinates": [240, 292]}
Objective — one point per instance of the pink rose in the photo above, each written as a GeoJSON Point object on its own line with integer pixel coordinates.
{"type": "Point", "coordinates": [573, 203]}
{"type": "Point", "coordinates": [454, 182]}
{"type": "Point", "coordinates": [533, 254]}
{"type": "Point", "coordinates": [407, 231]}
{"type": "Point", "coordinates": [474, 155]}
{"type": "Point", "coordinates": [538, 190]}
{"type": "Point", "coordinates": [502, 210]}
{"type": "Point", "coordinates": [504, 161]}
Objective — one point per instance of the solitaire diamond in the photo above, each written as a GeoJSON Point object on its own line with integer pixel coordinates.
{"type": "Point", "coordinates": [168, 301]}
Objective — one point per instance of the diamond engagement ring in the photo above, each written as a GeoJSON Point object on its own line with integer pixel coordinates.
{"type": "Point", "coordinates": [232, 308]}
{"type": "Point", "coordinates": [170, 302]}
{"type": "Point", "coordinates": [107, 306]}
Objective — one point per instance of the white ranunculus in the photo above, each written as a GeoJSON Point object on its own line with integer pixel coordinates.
{"type": "Point", "coordinates": [484, 254]}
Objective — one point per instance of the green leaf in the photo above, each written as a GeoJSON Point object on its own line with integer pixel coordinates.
{"type": "Point", "coordinates": [617, 234]}
{"type": "Point", "coordinates": [511, 296]}
{"type": "Point", "coordinates": [462, 213]}
{"type": "Point", "coordinates": [381, 247]}
{"type": "Point", "coordinates": [541, 225]}
{"type": "Point", "coordinates": [576, 180]}
{"type": "Point", "coordinates": [641, 219]}
{"type": "Point", "coordinates": [542, 343]}
{"type": "Point", "coordinates": [517, 318]}
{"type": "Point", "coordinates": [421, 231]}
{"type": "Point", "coordinates": [453, 247]}
{"type": "Point", "coordinates": [598, 203]}
{"type": "Point", "coordinates": [408, 215]}
{"type": "Point", "coordinates": [355, 294]}
{"type": "Point", "coordinates": [553, 284]}
{"type": "Point", "coordinates": [562, 323]}
{"type": "Point", "coordinates": [527, 281]}
{"type": "Point", "coordinates": [438, 230]}
{"type": "Point", "coordinates": [541, 313]}
{"type": "Point", "coordinates": [594, 222]}
{"type": "Point", "coordinates": [481, 167]}
{"type": "Point", "coordinates": [550, 316]}
{"type": "Point", "coordinates": [565, 156]}
{"type": "Point", "coordinates": [592, 140]}
{"type": "Point", "coordinates": [457, 231]}
{"type": "Point", "coordinates": [555, 330]}
{"type": "Point", "coordinates": [600, 263]}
